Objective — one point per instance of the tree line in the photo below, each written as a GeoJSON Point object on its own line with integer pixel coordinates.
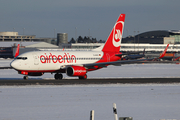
{"type": "Point", "coordinates": [86, 39]}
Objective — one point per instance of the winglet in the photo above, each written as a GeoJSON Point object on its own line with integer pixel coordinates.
{"type": "Point", "coordinates": [164, 52]}
{"type": "Point", "coordinates": [17, 51]}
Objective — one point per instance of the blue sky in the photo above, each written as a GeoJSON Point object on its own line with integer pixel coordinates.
{"type": "Point", "coordinates": [87, 17]}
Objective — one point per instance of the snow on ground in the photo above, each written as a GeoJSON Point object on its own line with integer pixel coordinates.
{"type": "Point", "coordinates": [5, 62]}
{"type": "Point", "coordinates": [138, 70]}
{"type": "Point", "coordinates": [142, 102]}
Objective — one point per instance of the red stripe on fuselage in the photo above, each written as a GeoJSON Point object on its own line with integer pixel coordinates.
{"type": "Point", "coordinates": [43, 71]}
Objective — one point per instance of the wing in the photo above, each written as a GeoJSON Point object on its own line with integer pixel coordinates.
{"type": "Point", "coordinates": [116, 63]}
{"type": "Point", "coordinates": [105, 64]}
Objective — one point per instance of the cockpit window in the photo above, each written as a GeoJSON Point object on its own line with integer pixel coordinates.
{"type": "Point", "coordinates": [23, 58]}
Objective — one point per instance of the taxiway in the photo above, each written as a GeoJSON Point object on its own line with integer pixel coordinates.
{"type": "Point", "coordinates": [87, 81]}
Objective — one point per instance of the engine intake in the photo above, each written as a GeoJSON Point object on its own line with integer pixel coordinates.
{"type": "Point", "coordinates": [76, 71]}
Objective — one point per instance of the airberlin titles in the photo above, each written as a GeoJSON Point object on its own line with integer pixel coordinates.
{"type": "Point", "coordinates": [66, 58]}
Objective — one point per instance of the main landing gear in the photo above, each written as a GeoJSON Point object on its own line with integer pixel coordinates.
{"type": "Point", "coordinates": [58, 76]}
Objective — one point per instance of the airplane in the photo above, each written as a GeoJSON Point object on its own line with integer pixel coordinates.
{"type": "Point", "coordinates": [74, 63]}
{"type": "Point", "coordinates": [135, 55]}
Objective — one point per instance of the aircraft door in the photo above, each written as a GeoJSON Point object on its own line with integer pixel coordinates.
{"type": "Point", "coordinates": [108, 57]}
{"type": "Point", "coordinates": [36, 61]}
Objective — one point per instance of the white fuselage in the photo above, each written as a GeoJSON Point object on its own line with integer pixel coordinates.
{"type": "Point", "coordinates": [49, 61]}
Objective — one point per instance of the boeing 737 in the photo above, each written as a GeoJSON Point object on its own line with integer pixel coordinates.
{"type": "Point", "coordinates": [74, 63]}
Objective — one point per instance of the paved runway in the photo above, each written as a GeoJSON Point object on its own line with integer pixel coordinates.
{"type": "Point", "coordinates": [88, 81]}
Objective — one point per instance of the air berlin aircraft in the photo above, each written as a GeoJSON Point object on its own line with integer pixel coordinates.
{"type": "Point", "coordinates": [74, 63]}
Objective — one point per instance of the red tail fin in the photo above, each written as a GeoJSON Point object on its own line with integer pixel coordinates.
{"type": "Point", "coordinates": [17, 51]}
{"type": "Point", "coordinates": [164, 52]}
{"type": "Point", "coordinates": [114, 40]}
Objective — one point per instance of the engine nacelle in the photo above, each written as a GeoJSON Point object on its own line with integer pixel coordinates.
{"type": "Point", "coordinates": [31, 73]}
{"type": "Point", "coordinates": [76, 71]}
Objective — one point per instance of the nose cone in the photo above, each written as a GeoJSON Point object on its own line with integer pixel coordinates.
{"type": "Point", "coordinates": [14, 64]}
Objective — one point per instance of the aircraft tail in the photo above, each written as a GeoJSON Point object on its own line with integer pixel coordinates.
{"type": "Point", "coordinates": [164, 52]}
{"type": "Point", "coordinates": [17, 51]}
{"type": "Point", "coordinates": [114, 40]}
{"type": "Point", "coordinates": [144, 52]}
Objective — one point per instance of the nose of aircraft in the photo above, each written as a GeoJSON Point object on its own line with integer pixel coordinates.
{"type": "Point", "coordinates": [14, 64]}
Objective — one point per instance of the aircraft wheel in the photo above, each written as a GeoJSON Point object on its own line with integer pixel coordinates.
{"type": "Point", "coordinates": [83, 77]}
{"type": "Point", "coordinates": [25, 77]}
{"type": "Point", "coordinates": [58, 76]}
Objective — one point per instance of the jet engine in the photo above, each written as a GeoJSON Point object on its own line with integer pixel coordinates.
{"type": "Point", "coordinates": [76, 71]}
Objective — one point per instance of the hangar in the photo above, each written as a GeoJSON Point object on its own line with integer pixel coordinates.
{"type": "Point", "coordinates": [7, 49]}
{"type": "Point", "coordinates": [154, 41]}
{"type": "Point", "coordinates": [155, 37]}
{"type": "Point", "coordinates": [15, 37]}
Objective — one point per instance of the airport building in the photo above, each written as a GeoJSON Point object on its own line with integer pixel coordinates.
{"type": "Point", "coordinates": [9, 41]}
{"type": "Point", "coordinates": [155, 37]}
{"type": "Point", "coordinates": [152, 41]}
{"type": "Point", "coordinates": [62, 40]}
{"type": "Point", "coordinates": [15, 37]}
{"type": "Point", "coordinates": [7, 49]}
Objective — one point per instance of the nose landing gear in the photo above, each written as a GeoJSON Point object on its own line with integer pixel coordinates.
{"type": "Point", "coordinates": [25, 77]}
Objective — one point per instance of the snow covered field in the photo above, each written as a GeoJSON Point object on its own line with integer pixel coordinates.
{"type": "Point", "coordinates": [74, 102]}
{"type": "Point", "coordinates": [142, 102]}
{"type": "Point", "coordinates": [5, 62]}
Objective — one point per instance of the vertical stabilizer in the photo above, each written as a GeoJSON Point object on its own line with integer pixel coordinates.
{"type": "Point", "coordinates": [114, 40]}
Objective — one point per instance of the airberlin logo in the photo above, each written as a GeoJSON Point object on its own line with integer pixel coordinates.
{"type": "Point", "coordinates": [65, 58]}
{"type": "Point", "coordinates": [117, 33]}
{"type": "Point", "coordinates": [80, 71]}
